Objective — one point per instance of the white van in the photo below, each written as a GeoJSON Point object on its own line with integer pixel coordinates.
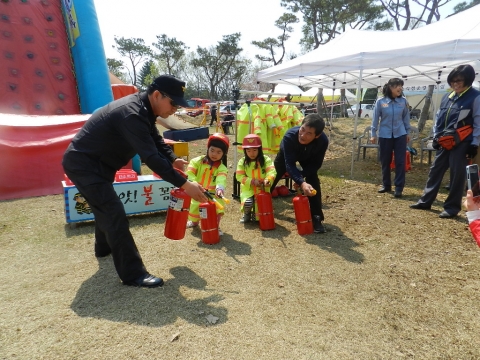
{"type": "Point", "coordinates": [366, 110]}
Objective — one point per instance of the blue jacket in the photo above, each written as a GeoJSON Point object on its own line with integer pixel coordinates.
{"type": "Point", "coordinates": [391, 118]}
{"type": "Point", "coordinates": [459, 110]}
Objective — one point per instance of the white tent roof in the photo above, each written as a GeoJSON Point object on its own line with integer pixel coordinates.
{"type": "Point", "coordinates": [421, 56]}
{"type": "Point", "coordinates": [282, 90]}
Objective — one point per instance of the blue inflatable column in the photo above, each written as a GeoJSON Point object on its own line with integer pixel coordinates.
{"type": "Point", "coordinates": [93, 80]}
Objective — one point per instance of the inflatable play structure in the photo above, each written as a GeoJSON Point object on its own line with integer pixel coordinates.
{"type": "Point", "coordinates": [54, 74]}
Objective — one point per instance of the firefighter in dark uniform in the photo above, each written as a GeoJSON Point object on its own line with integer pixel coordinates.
{"type": "Point", "coordinates": [458, 109]}
{"type": "Point", "coordinates": [106, 142]}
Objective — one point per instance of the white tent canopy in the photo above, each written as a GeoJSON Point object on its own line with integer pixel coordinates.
{"type": "Point", "coordinates": [282, 90]}
{"type": "Point", "coordinates": [421, 56]}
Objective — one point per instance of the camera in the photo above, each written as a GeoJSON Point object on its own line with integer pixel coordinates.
{"type": "Point", "coordinates": [472, 179]}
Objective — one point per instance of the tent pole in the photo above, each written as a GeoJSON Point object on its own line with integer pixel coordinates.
{"type": "Point", "coordinates": [331, 107]}
{"type": "Point", "coordinates": [354, 139]}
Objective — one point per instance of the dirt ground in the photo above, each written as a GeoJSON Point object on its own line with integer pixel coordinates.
{"type": "Point", "coordinates": [384, 282]}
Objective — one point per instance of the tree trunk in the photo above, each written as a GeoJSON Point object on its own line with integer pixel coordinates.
{"type": "Point", "coordinates": [343, 106]}
{"type": "Point", "coordinates": [320, 101]}
{"type": "Point", "coordinates": [426, 108]}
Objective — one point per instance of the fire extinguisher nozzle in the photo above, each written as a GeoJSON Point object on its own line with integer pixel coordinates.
{"type": "Point", "coordinates": [227, 201]}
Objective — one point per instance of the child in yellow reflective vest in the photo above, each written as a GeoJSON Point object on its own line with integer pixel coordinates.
{"type": "Point", "coordinates": [254, 170]}
{"type": "Point", "coordinates": [210, 171]}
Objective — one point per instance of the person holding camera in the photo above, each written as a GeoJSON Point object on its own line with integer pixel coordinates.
{"type": "Point", "coordinates": [473, 215]}
{"type": "Point", "coordinates": [456, 135]}
{"type": "Point", "coordinates": [391, 118]}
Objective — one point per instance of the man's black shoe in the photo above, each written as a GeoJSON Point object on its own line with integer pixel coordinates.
{"type": "Point", "coordinates": [446, 215]}
{"type": "Point", "coordinates": [99, 254]}
{"type": "Point", "coordinates": [317, 225]}
{"type": "Point", "coordinates": [420, 206]}
{"type": "Point", "coordinates": [384, 189]}
{"type": "Point", "coordinates": [397, 194]}
{"type": "Point", "coordinates": [146, 280]}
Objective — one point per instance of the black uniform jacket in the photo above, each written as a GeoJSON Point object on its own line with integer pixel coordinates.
{"type": "Point", "coordinates": [113, 135]}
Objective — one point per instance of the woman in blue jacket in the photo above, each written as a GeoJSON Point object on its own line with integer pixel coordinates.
{"type": "Point", "coordinates": [391, 121]}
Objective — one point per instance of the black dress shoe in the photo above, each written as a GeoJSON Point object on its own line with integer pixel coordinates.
{"type": "Point", "coordinates": [420, 206]}
{"type": "Point", "coordinates": [317, 225]}
{"type": "Point", "coordinates": [101, 254]}
{"type": "Point", "coordinates": [398, 194]}
{"type": "Point", "coordinates": [384, 189]}
{"type": "Point", "coordinates": [446, 215]}
{"type": "Point", "coordinates": [146, 280]}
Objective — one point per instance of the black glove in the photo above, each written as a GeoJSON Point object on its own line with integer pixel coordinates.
{"type": "Point", "coordinates": [472, 151]}
{"type": "Point", "coordinates": [435, 144]}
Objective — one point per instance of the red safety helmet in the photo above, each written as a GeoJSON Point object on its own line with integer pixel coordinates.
{"type": "Point", "coordinates": [251, 141]}
{"type": "Point", "coordinates": [220, 137]}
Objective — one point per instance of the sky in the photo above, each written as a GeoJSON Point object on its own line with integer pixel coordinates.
{"type": "Point", "coordinates": [196, 23]}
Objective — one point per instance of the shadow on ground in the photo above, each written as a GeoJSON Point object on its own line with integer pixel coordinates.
{"type": "Point", "coordinates": [104, 297]}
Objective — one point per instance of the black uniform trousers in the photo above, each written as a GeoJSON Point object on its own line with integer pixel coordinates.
{"type": "Point", "coordinates": [112, 233]}
{"type": "Point", "coordinates": [399, 147]}
{"type": "Point", "coordinates": [456, 160]}
{"type": "Point", "coordinates": [312, 179]}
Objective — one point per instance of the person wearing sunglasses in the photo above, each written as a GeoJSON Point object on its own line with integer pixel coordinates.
{"type": "Point", "coordinates": [106, 143]}
{"type": "Point", "coordinates": [456, 138]}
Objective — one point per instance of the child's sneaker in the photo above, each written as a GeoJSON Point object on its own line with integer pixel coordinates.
{"type": "Point", "coordinates": [191, 224]}
{"type": "Point", "coordinates": [246, 218]}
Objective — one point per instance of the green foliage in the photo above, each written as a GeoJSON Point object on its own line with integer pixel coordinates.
{"type": "Point", "coordinates": [220, 62]}
{"type": "Point", "coordinates": [270, 44]}
{"type": "Point", "coordinates": [148, 73]}
{"type": "Point", "coordinates": [171, 52]}
{"type": "Point", "coordinates": [136, 51]}
{"type": "Point", "coordinates": [464, 6]}
{"type": "Point", "coordinates": [370, 96]}
{"type": "Point", "coordinates": [325, 19]}
{"type": "Point", "coordinates": [116, 68]}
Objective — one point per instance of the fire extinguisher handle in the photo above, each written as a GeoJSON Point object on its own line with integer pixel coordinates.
{"type": "Point", "coordinates": [217, 204]}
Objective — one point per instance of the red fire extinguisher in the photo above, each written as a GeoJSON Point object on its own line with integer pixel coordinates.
{"type": "Point", "coordinates": [208, 223]}
{"type": "Point", "coordinates": [177, 213]}
{"type": "Point", "coordinates": [265, 210]}
{"type": "Point", "coordinates": [303, 216]}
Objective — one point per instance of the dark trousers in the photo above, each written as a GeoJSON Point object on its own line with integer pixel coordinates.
{"type": "Point", "coordinates": [456, 160]}
{"type": "Point", "coordinates": [399, 148]}
{"type": "Point", "coordinates": [214, 118]}
{"type": "Point", "coordinates": [312, 179]}
{"type": "Point", "coordinates": [112, 231]}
